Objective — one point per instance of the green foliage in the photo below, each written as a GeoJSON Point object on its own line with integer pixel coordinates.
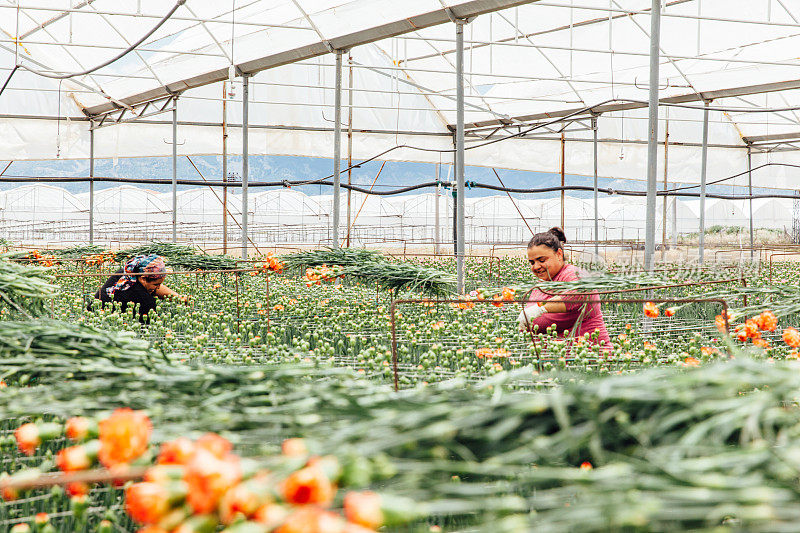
{"type": "Point", "coordinates": [39, 351]}
{"type": "Point", "coordinates": [24, 289]}
{"type": "Point", "coordinates": [78, 251]}
{"type": "Point", "coordinates": [372, 266]}
{"type": "Point", "coordinates": [184, 257]}
{"type": "Point", "coordinates": [332, 256]}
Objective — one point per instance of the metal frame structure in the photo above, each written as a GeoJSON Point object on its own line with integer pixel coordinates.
{"type": "Point", "coordinates": [142, 106]}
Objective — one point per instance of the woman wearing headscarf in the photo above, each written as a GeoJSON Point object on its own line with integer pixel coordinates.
{"type": "Point", "coordinates": [138, 283]}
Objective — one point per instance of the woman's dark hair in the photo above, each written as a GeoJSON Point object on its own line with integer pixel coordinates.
{"type": "Point", "coordinates": [553, 238]}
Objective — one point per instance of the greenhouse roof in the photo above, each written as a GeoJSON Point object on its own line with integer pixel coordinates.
{"type": "Point", "coordinates": [526, 63]}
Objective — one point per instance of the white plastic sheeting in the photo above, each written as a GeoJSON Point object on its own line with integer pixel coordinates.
{"type": "Point", "coordinates": [542, 57]}
{"type": "Point", "coordinates": [128, 204]}
{"type": "Point", "coordinates": [129, 214]}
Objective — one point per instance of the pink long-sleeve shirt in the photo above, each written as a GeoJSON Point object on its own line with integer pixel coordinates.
{"type": "Point", "coordinates": [564, 322]}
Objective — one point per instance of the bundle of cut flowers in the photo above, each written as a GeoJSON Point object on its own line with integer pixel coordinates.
{"type": "Point", "coordinates": [315, 276]}
{"type": "Point", "coordinates": [270, 264]}
{"type": "Point", "coordinates": [201, 485]}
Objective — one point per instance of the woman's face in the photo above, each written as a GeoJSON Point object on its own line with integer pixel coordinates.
{"type": "Point", "coordinates": [150, 285]}
{"type": "Point", "coordinates": [545, 262]}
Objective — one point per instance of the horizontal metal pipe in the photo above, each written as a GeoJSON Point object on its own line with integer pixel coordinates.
{"type": "Point", "coordinates": [400, 190]}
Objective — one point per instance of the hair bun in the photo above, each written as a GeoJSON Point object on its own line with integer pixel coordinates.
{"type": "Point", "coordinates": [559, 233]}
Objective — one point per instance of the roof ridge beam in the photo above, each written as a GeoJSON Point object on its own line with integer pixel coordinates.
{"type": "Point", "coordinates": [437, 17]}
{"type": "Point", "coordinates": [625, 106]}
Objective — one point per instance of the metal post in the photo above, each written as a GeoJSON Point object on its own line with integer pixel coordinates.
{"type": "Point", "coordinates": [596, 210]}
{"type": "Point", "coordinates": [91, 182]}
{"type": "Point", "coordinates": [460, 204]}
{"type": "Point", "coordinates": [245, 158]}
{"type": "Point", "coordinates": [703, 165]}
{"type": "Point", "coordinates": [224, 168]}
{"type": "Point", "coordinates": [175, 169]}
{"type": "Point", "coordinates": [652, 137]}
{"type": "Point", "coordinates": [349, 140]}
{"type": "Point", "coordinates": [563, 166]}
{"type": "Point", "coordinates": [337, 147]}
{"type": "Point", "coordinates": [454, 193]}
{"type": "Point", "coordinates": [436, 231]}
{"type": "Point", "coordinates": [675, 218]}
{"type": "Point", "coordinates": [665, 198]}
{"type": "Point", "coordinates": [750, 200]}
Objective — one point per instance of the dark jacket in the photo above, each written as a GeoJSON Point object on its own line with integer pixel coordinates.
{"type": "Point", "coordinates": [136, 294]}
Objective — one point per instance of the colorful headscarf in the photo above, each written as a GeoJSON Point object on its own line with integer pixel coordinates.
{"type": "Point", "coordinates": [152, 264]}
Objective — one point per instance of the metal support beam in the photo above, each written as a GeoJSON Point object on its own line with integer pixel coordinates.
{"type": "Point", "coordinates": [750, 200]}
{"type": "Point", "coordinates": [563, 170]}
{"type": "Point", "coordinates": [596, 209]}
{"type": "Point", "coordinates": [175, 170]}
{"type": "Point", "coordinates": [703, 165]}
{"type": "Point", "coordinates": [675, 218]}
{"type": "Point", "coordinates": [437, 235]}
{"type": "Point", "coordinates": [652, 137]}
{"type": "Point", "coordinates": [224, 168]}
{"type": "Point", "coordinates": [460, 204]}
{"type": "Point", "coordinates": [91, 183]}
{"type": "Point", "coordinates": [399, 26]}
{"type": "Point", "coordinates": [665, 199]}
{"type": "Point", "coordinates": [245, 158]}
{"type": "Point", "coordinates": [574, 112]}
{"type": "Point", "coordinates": [337, 148]}
{"type": "Point", "coordinates": [349, 141]}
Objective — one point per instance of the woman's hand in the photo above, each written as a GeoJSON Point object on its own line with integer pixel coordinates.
{"type": "Point", "coordinates": [529, 314]}
{"type": "Point", "coordinates": [165, 292]}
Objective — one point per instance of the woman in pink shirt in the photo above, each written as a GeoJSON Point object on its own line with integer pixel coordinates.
{"type": "Point", "coordinates": [546, 256]}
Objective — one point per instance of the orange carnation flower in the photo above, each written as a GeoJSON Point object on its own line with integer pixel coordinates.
{"type": "Point", "coordinates": [271, 515]}
{"type": "Point", "coordinates": [240, 501]}
{"type": "Point", "coordinates": [123, 437]}
{"type": "Point", "coordinates": [719, 321]}
{"type": "Point", "coordinates": [77, 489]}
{"type": "Point", "coordinates": [650, 309]}
{"type": "Point", "coordinates": [364, 509]}
{"type": "Point", "coordinates": [28, 440]}
{"type": "Point", "coordinates": [176, 452]}
{"type": "Point", "coordinates": [708, 351]}
{"type": "Point", "coordinates": [751, 328]}
{"type": "Point", "coordinates": [209, 478]}
{"type": "Point", "coordinates": [761, 343]}
{"type": "Point", "coordinates": [294, 447]}
{"type": "Point", "coordinates": [314, 519]}
{"type": "Point", "coordinates": [767, 321]}
{"type": "Point", "coordinates": [308, 485]}
{"type": "Point", "coordinates": [218, 446]}
{"type": "Point", "coordinates": [73, 459]}
{"type": "Point", "coordinates": [77, 428]}
{"type": "Point", "coordinates": [691, 361]}
{"type": "Point", "coordinates": [791, 337]}
{"type": "Point", "coordinates": [741, 333]}
{"type": "Point", "coordinates": [147, 502]}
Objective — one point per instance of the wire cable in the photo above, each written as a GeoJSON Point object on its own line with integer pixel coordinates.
{"type": "Point", "coordinates": [119, 56]}
{"type": "Point", "coordinates": [391, 192]}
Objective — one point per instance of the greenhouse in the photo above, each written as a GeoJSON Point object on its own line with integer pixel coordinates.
{"type": "Point", "coordinates": [352, 266]}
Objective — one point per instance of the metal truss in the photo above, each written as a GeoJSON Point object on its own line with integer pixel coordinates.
{"type": "Point", "coordinates": [778, 142]}
{"type": "Point", "coordinates": [518, 128]}
{"type": "Point", "coordinates": [135, 112]}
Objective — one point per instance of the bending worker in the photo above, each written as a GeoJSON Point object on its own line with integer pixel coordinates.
{"type": "Point", "coordinates": [546, 256]}
{"type": "Point", "coordinates": [141, 289]}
